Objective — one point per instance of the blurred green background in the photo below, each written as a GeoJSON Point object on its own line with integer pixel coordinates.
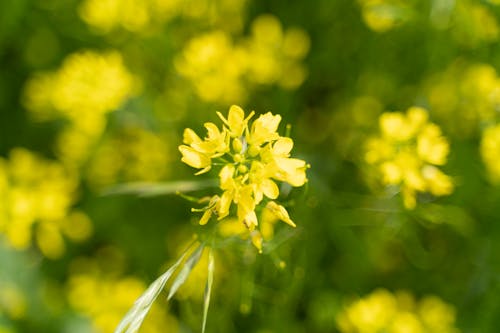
{"type": "Point", "coordinates": [95, 93]}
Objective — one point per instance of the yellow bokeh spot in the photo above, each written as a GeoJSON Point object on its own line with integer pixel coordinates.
{"type": "Point", "coordinates": [490, 152]}
{"type": "Point", "coordinates": [12, 301]}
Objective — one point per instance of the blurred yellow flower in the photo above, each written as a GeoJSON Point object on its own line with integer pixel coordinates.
{"type": "Point", "coordinates": [276, 54]}
{"type": "Point", "coordinates": [254, 157]}
{"type": "Point", "coordinates": [37, 196]}
{"type": "Point", "coordinates": [87, 83]}
{"type": "Point", "coordinates": [131, 154]}
{"type": "Point", "coordinates": [104, 296]}
{"type": "Point", "coordinates": [222, 69]}
{"type": "Point", "coordinates": [464, 96]}
{"type": "Point", "coordinates": [407, 152]}
{"type": "Point", "coordinates": [384, 15]}
{"type": "Point", "coordinates": [215, 66]}
{"type": "Point", "coordinates": [383, 311]}
{"type": "Point", "coordinates": [490, 152]}
{"type": "Point", "coordinates": [474, 24]}
{"type": "Point", "coordinates": [83, 90]}
{"type": "Point", "coordinates": [141, 15]}
{"type": "Point", "coordinates": [105, 15]}
{"type": "Point", "coordinates": [12, 301]}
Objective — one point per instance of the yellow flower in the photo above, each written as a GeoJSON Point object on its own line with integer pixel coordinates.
{"type": "Point", "coordinates": [264, 129]}
{"type": "Point", "coordinates": [263, 185]}
{"type": "Point", "coordinates": [222, 68]}
{"type": "Point", "coordinates": [236, 120]}
{"type": "Point", "coordinates": [490, 152]}
{"type": "Point", "coordinates": [86, 87]}
{"type": "Point", "coordinates": [256, 159]}
{"type": "Point", "coordinates": [432, 147]}
{"type": "Point", "coordinates": [407, 155]}
{"type": "Point", "coordinates": [200, 152]}
{"type": "Point", "coordinates": [280, 212]}
{"type": "Point", "coordinates": [280, 166]}
{"type": "Point", "coordinates": [194, 158]}
{"type": "Point", "coordinates": [37, 196]}
{"type": "Point", "coordinates": [383, 311]}
{"type": "Point", "coordinates": [97, 290]}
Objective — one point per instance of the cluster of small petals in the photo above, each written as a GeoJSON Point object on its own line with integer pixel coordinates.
{"type": "Point", "coordinates": [254, 158]}
{"type": "Point", "coordinates": [407, 154]}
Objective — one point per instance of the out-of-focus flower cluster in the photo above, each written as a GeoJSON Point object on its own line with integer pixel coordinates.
{"type": "Point", "coordinates": [473, 23]}
{"type": "Point", "coordinates": [470, 23]}
{"type": "Point", "coordinates": [254, 157]}
{"type": "Point", "coordinates": [132, 154]}
{"type": "Point", "coordinates": [221, 69]}
{"type": "Point", "coordinates": [37, 196]}
{"type": "Point", "coordinates": [13, 305]}
{"type": "Point", "coordinates": [83, 90]}
{"type": "Point", "coordinates": [140, 16]}
{"type": "Point", "coordinates": [383, 311]}
{"type": "Point", "coordinates": [490, 152]}
{"type": "Point", "coordinates": [384, 15]}
{"type": "Point", "coordinates": [465, 97]}
{"type": "Point", "coordinates": [407, 154]}
{"type": "Point", "coordinates": [98, 290]}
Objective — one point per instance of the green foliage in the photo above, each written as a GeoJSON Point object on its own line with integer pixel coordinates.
{"type": "Point", "coordinates": [95, 203]}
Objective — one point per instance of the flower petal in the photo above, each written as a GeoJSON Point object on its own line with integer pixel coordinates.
{"type": "Point", "coordinates": [194, 158]}
{"type": "Point", "coordinates": [269, 188]}
{"type": "Point", "coordinates": [283, 147]}
{"type": "Point", "coordinates": [190, 136]}
{"type": "Point", "coordinates": [280, 213]}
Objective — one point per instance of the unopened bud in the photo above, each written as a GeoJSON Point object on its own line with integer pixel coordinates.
{"type": "Point", "coordinates": [237, 145]}
{"type": "Point", "coordinates": [242, 168]}
{"type": "Point", "coordinates": [253, 150]}
{"type": "Point", "coordinates": [238, 158]}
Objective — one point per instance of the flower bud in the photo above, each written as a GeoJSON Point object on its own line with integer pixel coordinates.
{"type": "Point", "coordinates": [237, 145]}
{"type": "Point", "coordinates": [253, 150]}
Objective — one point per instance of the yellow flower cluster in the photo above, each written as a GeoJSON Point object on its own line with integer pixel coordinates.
{"type": "Point", "coordinates": [219, 68]}
{"type": "Point", "coordinates": [132, 154]}
{"type": "Point", "coordinates": [12, 302]}
{"type": "Point", "coordinates": [86, 87]}
{"type": "Point", "coordinates": [140, 15]}
{"type": "Point", "coordinates": [275, 54]}
{"type": "Point", "coordinates": [407, 154]}
{"type": "Point", "coordinates": [105, 297]}
{"type": "Point", "coordinates": [382, 311]}
{"type": "Point", "coordinates": [465, 103]}
{"type": "Point", "coordinates": [37, 195]}
{"type": "Point", "coordinates": [215, 66]}
{"type": "Point", "coordinates": [384, 15]}
{"type": "Point", "coordinates": [490, 152]}
{"type": "Point", "coordinates": [473, 23]}
{"type": "Point", "coordinates": [254, 157]}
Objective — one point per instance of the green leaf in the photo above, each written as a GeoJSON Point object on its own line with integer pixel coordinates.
{"type": "Point", "coordinates": [184, 272]}
{"type": "Point", "coordinates": [146, 189]}
{"type": "Point", "coordinates": [132, 321]}
{"type": "Point", "coordinates": [208, 289]}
